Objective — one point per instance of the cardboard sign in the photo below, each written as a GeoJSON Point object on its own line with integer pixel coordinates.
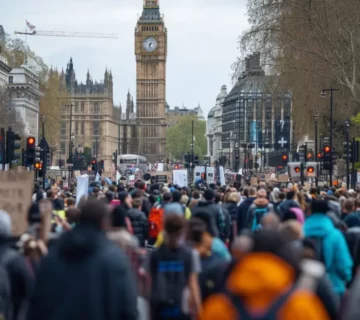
{"type": "Point", "coordinates": [164, 177]}
{"type": "Point", "coordinates": [15, 197]}
{"type": "Point", "coordinates": [77, 173]}
{"type": "Point", "coordinates": [283, 178]}
{"type": "Point", "coordinates": [161, 178]}
{"type": "Point", "coordinates": [254, 181]}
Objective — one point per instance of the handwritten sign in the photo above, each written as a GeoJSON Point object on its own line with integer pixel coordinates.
{"type": "Point", "coordinates": [15, 197]}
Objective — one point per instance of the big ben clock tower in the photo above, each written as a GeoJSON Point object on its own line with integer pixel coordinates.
{"type": "Point", "coordinates": [151, 51]}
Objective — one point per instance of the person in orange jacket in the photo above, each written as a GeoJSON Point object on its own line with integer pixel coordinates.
{"type": "Point", "coordinates": [264, 282]}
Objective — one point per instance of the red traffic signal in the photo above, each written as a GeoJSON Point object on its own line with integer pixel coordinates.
{"type": "Point", "coordinates": [30, 141]}
{"type": "Point", "coordinates": [176, 167]}
{"type": "Point", "coordinates": [309, 155]}
{"type": "Point", "coordinates": [320, 155]}
{"type": "Point", "coordinates": [327, 149]}
{"type": "Point", "coordinates": [38, 165]}
{"type": "Point", "coordinates": [310, 169]}
{"type": "Point", "coordinates": [297, 169]}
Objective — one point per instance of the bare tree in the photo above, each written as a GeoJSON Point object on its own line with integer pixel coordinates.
{"type": "Point", "coordinates": [311, 44]}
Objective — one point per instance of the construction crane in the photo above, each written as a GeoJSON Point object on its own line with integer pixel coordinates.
{"type": "Point", "coordinates": [69, 34]}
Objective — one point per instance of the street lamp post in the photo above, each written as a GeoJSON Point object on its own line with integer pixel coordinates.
{"type": "Point", "coordinates": [42, 118]}
{"type": "Point", "coordinates": [347, 132]}
{"type": "Point", "coordinates": [71, 138]}
{"type": "Point", "coordinates": [316, 119]}
{"type": "Point", "coordinates": [323, 94]}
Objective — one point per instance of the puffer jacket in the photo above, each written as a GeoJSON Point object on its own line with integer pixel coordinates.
{"type": "Point", "coordinates": [139, 224]}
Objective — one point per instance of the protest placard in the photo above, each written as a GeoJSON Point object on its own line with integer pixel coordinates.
{"type": "Point", "coordinates": [254, 181]}
{"type": "Point", "coordinates": [15, 197]}
{"type": "Point", "coordinates": [180, 178]}
{"type": "Point", "coordinates": [283, 177]}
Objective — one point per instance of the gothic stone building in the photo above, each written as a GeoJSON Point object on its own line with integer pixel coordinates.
{"type": "Point", "coordinates": [95, 121]}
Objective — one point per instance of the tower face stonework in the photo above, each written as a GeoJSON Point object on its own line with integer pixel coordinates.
{"type": "Point", "coordinates": [151, 52]}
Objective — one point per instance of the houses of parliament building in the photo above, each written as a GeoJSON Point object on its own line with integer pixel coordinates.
{"type": "Point", "coordinates": [98, 124]}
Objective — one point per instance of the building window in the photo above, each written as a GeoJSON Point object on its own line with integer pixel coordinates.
{"type": "Point", "coordinates": [96, 107]}
{"type": "Point", "coordinates": [63, 128]}
{"type": "Point", "coordinates": [82, 128]}
{"type": "Point", "coordinates": [96, 128]}
{"type": "Point", "coordinates": [63, 146]}
{"type": "Point", "coordinates": [82, 107]}
{"type": "Point", "coordinates": [11, 79]}
{"type": "Point", "coordinates": [76, 107]}
{"type": "Point", "coordinates": [77, 128]}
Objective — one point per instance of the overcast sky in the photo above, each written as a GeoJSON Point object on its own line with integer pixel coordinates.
{"type": "Point", "coordinates": [202, 42]}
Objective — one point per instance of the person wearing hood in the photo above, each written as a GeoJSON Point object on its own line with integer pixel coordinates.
{"type": "Point", "coordinates": [335, 253]}
{"type": "Point", "coordinates": [242, 212]}
{"type": "Point", "coordinates": [21, 282]}
{"type": "Point", "coordinates": [258, 209]}
{"type": "Point", "coordinates": [212, 208]}
{"type": "Point", "coordinates": [263, 284]}
{"type": "Point", "coordinates": [74, 270]}
{"type": "Point", "coordinates": [288, 203]}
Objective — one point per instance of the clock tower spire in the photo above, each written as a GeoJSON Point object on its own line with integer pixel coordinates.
{"type": "Point", "coordinates": [151, 53]}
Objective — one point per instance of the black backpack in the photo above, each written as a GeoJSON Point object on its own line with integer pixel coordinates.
{"type": "Point", "coordinates": [170, 271]}
{"type": "Point", "coordinates": [270, 314]}
{"type": "Point", "coordinates": [319, 248]}
{"type": "Point", "coordinates": [6, 256]}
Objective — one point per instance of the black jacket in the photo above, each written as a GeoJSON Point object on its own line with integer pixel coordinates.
{"type": "Point", "coordinates": [84, 276]}
{"type": "Point", "coordinates": [210, 208]}
{"type": "Point", "coordinates": [20, 278]}
{"type": "Point", "coordinates": [242, 214]}
{"type": "Point", "coordinates": [139, 223]}
{"type": "Point", "coordinates": [232, 208]}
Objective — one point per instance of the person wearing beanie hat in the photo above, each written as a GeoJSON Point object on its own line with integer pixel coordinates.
{"type": "Point", "coordinates": [331, 244]}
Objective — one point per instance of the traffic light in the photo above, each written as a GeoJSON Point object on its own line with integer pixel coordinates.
{"type": "Point", "coordinates": [302, 153]}
{"type": "Point", "coordinates": [327, 157]}
{"type": "Point", "coordinates": [348, 151]}
{"type": "Point", "coordinates": [311, 170]}
{"type": "Point", "coordinates": [93, 165]}
{"type": "Point", "coordinates": [13, 144]}
{"type": "Point", "coordinates": [102, 165]}
{"type": "Point", "coordinates": [294, 169]}
{"type": "Point", "coordinates": [176, 167]}
{"type": "Point", "coordinates": [30, 151]}
{"type": "Point", "coordinates": [38, 165]}
{"type": "Point", "coordinates": [285, 158]}
{"type": "Point", "coordinates": [237, 154]}
{"type": "Point", "coordinates": [310, 156]}
{"type": "Point", "coordinates": [187, 160]}
{"type": "Point", "coordinates": [115, 159]}
{"type": "Point", "coordinates": [2, 147]}
{"type": "Point", "coordinates": [196, 160]}
{"type": "Point", "coordinates": [320, 156]}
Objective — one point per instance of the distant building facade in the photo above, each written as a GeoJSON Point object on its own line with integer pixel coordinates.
{"type": "Point", "coordinates": [95, 121]}
{"type": "Point", "coordinates": [214, 126]}
{"type": "Point", "coordinates": [257, 116]}
{"type": "Point", "coordinates": [173, 116]}
{"type": "Point", "coordinates": [4, 67]}
{"type": "Point", "coordinates": [25, 95]}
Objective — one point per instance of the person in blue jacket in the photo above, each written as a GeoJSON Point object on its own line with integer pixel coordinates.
{"type": "Point", "coordinates": [334, 250]}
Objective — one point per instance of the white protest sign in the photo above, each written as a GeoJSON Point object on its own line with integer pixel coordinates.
{"type": "Point", "coordinates": [15, 197]}
{"type": "Point", "coordinates": [210, 173]}
{"type": "Point", "coordinates": [97, 178]}
{"type": "Point", "coordinates": [197, 173]}
{"type": "Point", "coordinates": [222, 175]}
{"type": "Point", "coordinates": [180, 178]}
{"type": "Point", "coordinates": [118, 176]}
{"type": "Point", "coordinates": [82, 187]}
{"type": "Point", "coordinates": [160, 167]}
{"type": "Point", "coordinates": [132, 178]}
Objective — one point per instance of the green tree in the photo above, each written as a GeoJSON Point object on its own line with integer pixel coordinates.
{"type": "Point", "coordinates": [179, 138]}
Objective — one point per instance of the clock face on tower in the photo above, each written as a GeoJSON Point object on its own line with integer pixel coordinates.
{"type": "Point", "coordinates": [150, 44]}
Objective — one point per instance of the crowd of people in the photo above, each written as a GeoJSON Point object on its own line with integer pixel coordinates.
{"type": "Point", "coordinates": [161, 252]}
